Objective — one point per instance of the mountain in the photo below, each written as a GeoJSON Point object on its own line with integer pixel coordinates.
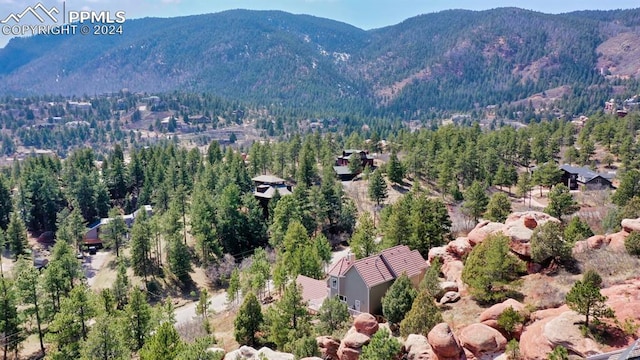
{"type": "Point", "coordinates": [454, 59]}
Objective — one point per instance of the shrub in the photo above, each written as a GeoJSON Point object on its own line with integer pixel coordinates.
{"type": "Point", "coordinates": [632, 243]}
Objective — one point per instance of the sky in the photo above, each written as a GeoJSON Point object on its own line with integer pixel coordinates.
{"type": "Point", "coordinates": [365, 14]}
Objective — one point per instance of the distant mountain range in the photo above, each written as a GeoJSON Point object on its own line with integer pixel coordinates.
{"type": "Point", "coordinates": [454, 60]}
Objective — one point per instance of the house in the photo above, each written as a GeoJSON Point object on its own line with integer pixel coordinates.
{"type": "Point", "coordinates": [266, 188]}
{"type": "Point", "coordinates": [575, 177]}
{"type": "Point", "coordinates": [341, 167]}
{"type": "Point", "coordinates": [92, 235]}
{"type": "Point", "coordinates": [362, 283]}
{"type": "Point", "coordinates": [314, 292]}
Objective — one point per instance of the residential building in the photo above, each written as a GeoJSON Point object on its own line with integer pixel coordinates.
{"type": "Point", "coordinates": [575, 177]}
{"type": "Point", "coordinates": [266, 188]}
{"type": "Point", "coordinates": [92, 235]}
{"type": "Point", "coordinates": [362, 283]}
{"type": "Point", "coordinates": [341, 168]}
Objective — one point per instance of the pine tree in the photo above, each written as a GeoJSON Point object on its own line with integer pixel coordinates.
{"type": "Point", "coordinates": [577, 230]}
{"type": "Point", "coordinates": [16, 235]}
{"type": "Point", "coordinates": [422, 317]}
{"type": "Point", "coordinates": [395, 171]}
{"type": "Point", "coordinates": [333, 316]}
{"type": "Point", "coordinates": [6, 206]}
{"type": "Point", "coordinates": [561, 202]}
{"type": "Point", "coordinates": [475, 201]}
{"type": "Point", "coordinates": [31, 294]}
{"type": "Point", "coordinates": [547, 242]}
{"type": "Point", "coordinates": [288, 318]}
{"type": "Point", "coordinates": [524, 187]}
{"type": "Point", "coordinates": [377, 187]}
{"type": "Point", "coordinates": [113, 232]}
{"type": "Point", "coordinates": [138, 317]}
{"type": "Point", "coordinates": [12, 334]}
{"type": "Point", "coordinates": [141, 246]}
{"type": "Point", "coordinates": [121, 286]}
{"type": "Point", "coordinates": [106, 340]}
{"type": "Point", "coordinates": [164, 344]}
{"type": "Point", "coordinates": [179, 260]}
{"type": "Point", "coordinates": [381, 347]}
{"type": "Point", "coordinates": [69, 326]}
{"type": "Point", "coordinates": [234, 286]}
{"type": "Point", "coordinates": [248, 321]}
{"type": "Point", "coordinates": [499, 208]}
{"type": "Point", "coordinates": [629, 187]}
{"type": "Point", "coordinates": [363, 242]}
{"type": "Point", "coordinates": [398, 299]}
{"type": "Point", "coordinates": [585, 298]}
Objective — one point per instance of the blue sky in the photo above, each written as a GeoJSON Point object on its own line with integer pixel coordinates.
{"type": "Point", "coordinates": [365, 14]}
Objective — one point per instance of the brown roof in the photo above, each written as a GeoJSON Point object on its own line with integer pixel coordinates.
{"type": "Point", "coordinates": [313, 291]}
{"type": "Point", "coordinates": [402, 260]}
{"type": "Point", "coordinates": [383, 267]}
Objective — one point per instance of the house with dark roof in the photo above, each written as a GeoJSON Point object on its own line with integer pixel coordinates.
{"type": "Point", "coordinates": [92, 234]}
{"type": "Point", "coordinates": [341, 167]}
{"type": "Point", "coordinates": [575, 177]}
{"type": "Point", "coordinates": [362, 283]}
{"type": "Point", "coordinates": [266, 188]}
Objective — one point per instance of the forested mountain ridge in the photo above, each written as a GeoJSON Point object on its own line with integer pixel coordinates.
{"type": "Point", "coordinates": [453, 60]}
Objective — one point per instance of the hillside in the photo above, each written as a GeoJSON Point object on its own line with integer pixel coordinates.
{"type": "Point", "coordinates": [451, 60]}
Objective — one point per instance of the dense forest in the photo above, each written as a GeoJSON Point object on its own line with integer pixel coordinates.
{"type": "Point", "coordinates": [447, 61]}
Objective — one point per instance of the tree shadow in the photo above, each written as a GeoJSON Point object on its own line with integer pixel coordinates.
{"type": "Point", "coordinates": [400, 188]}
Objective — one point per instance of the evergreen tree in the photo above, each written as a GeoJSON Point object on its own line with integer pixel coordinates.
{"type": "Point", "coordinates": [431, 280]}
{"type": "Point", "coordinates": [113, 232]}
{"type": "Point", "coordinates": [475, 201]}
{"type": "Point", "coordinates": [577, 230]}
{"type": "Point", "coordinates": [333, 316]}
{"type": "Point", "coordinates": [363, 242]}
{"type": "Point", "coordinates": [288, 318]}
{"type": "Point", "coordinates": [398, 299]}
{"type": "Point", "coordinates": [632, 243]}
{"type": "Point", "coordinates": [12, 334]}
{"type": "Point", "coordinates": [381, 347]}
{"type": "Point", "coordinates": [422, 317]}
{"type": "Point", "coordinates": [585, 298]}
{"type": "Point", "coordinates": [524, 186]}
{"type": "Point", "coordinates": [179, 260]}
{"type": "Point", "coordinates": [547, 175]}
{"type": "Point", "coordinates": [499, 208]}
{"type": "Point", "coordinates": [138, 317]}
{"type": "Point", "coordinates": [561, 202]}
{"type": "Point", "coordinates": [629, 187]}
{"type": "Point", "coordinates": [234, 286]}
{"type": "Point", "coordinates": [490, 268]}
{"type": "Point", "coordinates": [122, 285]}
{"type": "Point", "coordinates": [16, 235]}
{"type": "Point", "coordinates": [377, 187]}
{"type": "Point", "coordinates": [141, 246]}
{"type": "Point", "coordinates": [6, 206]}
{"type": "Point", "coordinates": [395, 171]}
{"type": "Point", "coordinates": [69, 326]}
{"type": "Point", "coordinates": [429, 224]}
{"type": "Point", "coordinates": [106, 340]}
{"type": "Point", "coordinates": [164, 344]}
{"type": "Point", "coordinates": [248, 321]}
{"type": "Point", "coordinates": [31, 294]}
{"type": "Point", "coordinates": [548, 243]}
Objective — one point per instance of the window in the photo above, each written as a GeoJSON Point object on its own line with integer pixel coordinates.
{"type": "Point", "coordinates": [334, 283]}
{"type": "Point", "coordinates": [342, 298]}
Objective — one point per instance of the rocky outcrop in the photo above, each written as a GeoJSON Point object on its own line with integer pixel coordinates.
{"type": "Point", "coordinates": [482, 230]}
{"type": "Point", "coordinates": [481, 339]}
{"type": "Point", "coordinates": [533, 345]}
{"type": "Point", "coordinates": [417, 348]}
{"type": "Point", "coordinates": [355, 340]}
{"type": "Point", "coordinates": [459, 247]}
{"type": "Point", "coordinates": [249, 353]}
{"type": "Point", "coordinates": [630, 225]}
{"type": "Point", "coordinates": [366, 324]}
{"type": "Point", "coordinates": [452, 271]}
{"type": "Point", "coordinates": [444, 343]}
{"type": "Point", "coordinates": [624, 300]}
{"type": "Point", "coordinates": [616, 241]}
{"type": "Point", "coordinates": [563, 331]}
{"type": "Point", "coordinates": [490, 316]}
{"type": "Point", "coordinates": [328, 346]}
{"type": "Point", "coordinates": [449, 297]}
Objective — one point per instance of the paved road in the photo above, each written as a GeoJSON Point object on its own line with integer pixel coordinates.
{"type": "Point", "coordinates": [187, 312]}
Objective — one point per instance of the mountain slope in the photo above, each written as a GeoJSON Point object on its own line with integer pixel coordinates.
{"type": "Point", "coordinates": [454, 59]}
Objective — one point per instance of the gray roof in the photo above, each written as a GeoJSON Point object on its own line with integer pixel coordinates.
{"type": "Point", "coordinates": [342, 170]}
{"type": "Point", "coordinates": [268, 191]}
{"type": "Point", "coordinates": [268, 179]}
{"type": "Point", "coordinates": [585, 174]}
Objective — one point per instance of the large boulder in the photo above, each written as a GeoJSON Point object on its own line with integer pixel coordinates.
{"type": "Point", "coordinates": [624, 300]}
{"type": "Point", "coordinates": [447, 286]}
{"type": "Point", "coordinates": [596, 241]}
{"type": "Point", "coordinates": [346, 353]}
{"type": "Point", "coordinates": [563, 330]}
{"type": "Point", "coordinates": [328, 347]}
{"type": "Point", "coordinates": [616, 241]}
{"type": "Point", "coordinates": [417, 348]}
{"type": "Point", "coordinates": [366, 324]}
{"type": "Point", "coordinates": [268, 354]}
{"type": "Point", "coordinates": [533, 345]}
{"type": "Point", "coordinates": [452, 271]}
{"type": "Point", "coordinates": [355, 340]}
{"type": "Point", "coordinates": [439, 252]}
{"type": "Point", "coordinates": [444, 343]}
{"type": "Point", "coordinates": [519, 227]}
{"type": "Point", "coordinates": [482, 230]}
{"type": "Point", "coordinates": [482, 339]}
{"type": "Point", "coordinates": [459, 247]}
{"type": "Point", "coordinates": [244, 352]}
{"type": "Point", "coordinates": [630, 225]}
{"type": "Point", "coordinates": [496, 310]}
{"type": "Point", "coordinates": [449, 297]}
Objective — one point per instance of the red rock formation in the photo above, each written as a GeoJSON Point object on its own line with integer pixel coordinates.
{"type": "Point", "coordinates": [366, 324]}
{"type": "Point", "coordinates": [328, 347]}
{"type": "Point", "coordinates": [481, 339]}
{"type": "Point", "coordinates": [444, 343]}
